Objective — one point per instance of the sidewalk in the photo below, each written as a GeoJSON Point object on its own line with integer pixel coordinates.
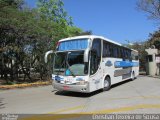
{"type": "Point", "coordinates": [155, 76]}
{"type": "Point", "coordinates": [144, 73]}
{"type": "Point", "coordinates": [24, 85]}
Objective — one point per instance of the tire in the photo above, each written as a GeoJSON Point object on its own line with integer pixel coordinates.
{"type": "Point", "coordinates": [107, 84]}
{"type": "Point", "coordinates": [133, 76]}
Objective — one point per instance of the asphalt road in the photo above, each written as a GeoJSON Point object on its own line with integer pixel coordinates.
{"type": "Point", "coordinates": [139, 96]}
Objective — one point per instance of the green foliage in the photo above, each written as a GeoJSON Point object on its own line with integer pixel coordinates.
{"type": "Point", "coordinates": [26, 34]}
{"type": "Point", "coordinates": [151, 7]}
{"type": "Point", "coordinates": [140, 47]}
{"type": "Point", "coordinates": [18, 29]}
{"type": "Point", "coordinates": [13, 3]}
{"type": "Point", "coordinates": [53, 10]}
{"type": "Point", "coordinates": [73, 31]}
{"type": "Point", "coordinates": [86, 33]}
{"type": "Point", "coordinates": [154, 40]}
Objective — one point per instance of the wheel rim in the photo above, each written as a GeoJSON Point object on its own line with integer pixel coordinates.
{"type": "Point", "coordinates": [133, 75]}
{"type": "Point", "coordinates": [106, 83]}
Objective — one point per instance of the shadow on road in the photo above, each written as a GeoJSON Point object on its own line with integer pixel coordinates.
{"type": "Point", "coordinates": [121, 83]}
{"type": "Point", "coordinates": [77, 94]}
{"type": "Point", "coordinates": [1, 103]}
{"type": "Point", "coordinates": [85, 95]}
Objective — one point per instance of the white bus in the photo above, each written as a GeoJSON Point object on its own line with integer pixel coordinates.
{"type": "Point", "coordinates": [89, 63]}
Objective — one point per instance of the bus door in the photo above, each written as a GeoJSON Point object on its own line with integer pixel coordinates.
{"type": "Point", "coordinates": [95, 67]}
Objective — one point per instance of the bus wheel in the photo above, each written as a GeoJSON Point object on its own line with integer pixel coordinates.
{"type": "Point", "coordinates": [107, 84]}
{"type": "Point", "coordinates": [133, 75]}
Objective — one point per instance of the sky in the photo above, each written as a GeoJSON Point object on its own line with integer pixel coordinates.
{"type": "Point", "coordinates": [118, 20]}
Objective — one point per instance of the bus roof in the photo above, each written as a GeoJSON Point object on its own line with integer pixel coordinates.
{"type": "Point", "coordinates": [89, 37]}
{"type": "Point", "coordinates": [92, 37]}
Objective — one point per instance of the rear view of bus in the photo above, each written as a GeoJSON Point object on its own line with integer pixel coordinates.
{"type": "Point", "coordinates": [89, 63]}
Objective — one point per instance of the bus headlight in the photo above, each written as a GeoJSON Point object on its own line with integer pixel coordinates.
{"type": "Point", "coordinates": [81, 82]}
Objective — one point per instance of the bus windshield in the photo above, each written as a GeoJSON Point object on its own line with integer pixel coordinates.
{"type": "Point", "coordinates": [70, 63]}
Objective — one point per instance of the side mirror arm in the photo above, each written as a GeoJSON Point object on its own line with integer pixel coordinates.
{"type": "Point", "coordinates": [86, 53]}
{"type": "Point", "coordinates": [46, 55]}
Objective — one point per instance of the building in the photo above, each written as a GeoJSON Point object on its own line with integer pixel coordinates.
{"type": "Point", "coordinates": [153, 61]}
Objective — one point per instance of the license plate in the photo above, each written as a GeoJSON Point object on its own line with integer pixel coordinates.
{"type": "Point", "coordinates": [65, 87]}
{"type": "Point", "coordinates": [69, 80]}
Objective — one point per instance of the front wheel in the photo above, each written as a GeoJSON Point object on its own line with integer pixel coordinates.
{"type": "Point", "coordinates": [107, 84]}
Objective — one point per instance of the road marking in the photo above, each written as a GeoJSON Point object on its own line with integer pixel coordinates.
{"type": "Point", "coordinates": [133, 97]}
{"type": "Point", "coordinates": [53, 116]}
{"type": "Point", "coordinates": [153, 97]}
{"type": "Point", "coordinates": [67, 109]}
{"type": "Point", "coordinates": [125, 109]}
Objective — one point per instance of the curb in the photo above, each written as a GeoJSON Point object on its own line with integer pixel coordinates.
{"type": "Point", "coordinates": [154, 76]}
{"type": "Point", "coordinates": [5, 87]}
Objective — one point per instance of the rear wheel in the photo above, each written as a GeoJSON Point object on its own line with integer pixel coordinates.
{"type": "Point", "coordinates": [133, 75]}
{"type": "Point", "coordinates": [107, 84]}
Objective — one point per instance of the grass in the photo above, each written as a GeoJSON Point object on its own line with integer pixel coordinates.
{"type": "Point", "coordinates": [13, 85]}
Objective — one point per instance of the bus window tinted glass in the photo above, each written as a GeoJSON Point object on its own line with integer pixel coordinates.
{"type": "Point", "coordinates": [95, 56]}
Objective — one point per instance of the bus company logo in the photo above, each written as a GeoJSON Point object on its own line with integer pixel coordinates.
{"type": "Point", "coordinates": [68, 80]}
{"type": "Point", "coordinates": [79, 79]}
{"type": "Point", "coordinates": [108, 63]}
{"type": "Point", "coordinates": [57, 78]}
{"type": "Point", "coordinates": [97, 81]}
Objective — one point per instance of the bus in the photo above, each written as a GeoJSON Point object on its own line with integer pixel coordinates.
{"type": "Point", "coordinates": [89, 63]}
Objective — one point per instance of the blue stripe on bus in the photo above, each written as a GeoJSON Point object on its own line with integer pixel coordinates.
{"type": "Point", "coordinates": [126, 64]}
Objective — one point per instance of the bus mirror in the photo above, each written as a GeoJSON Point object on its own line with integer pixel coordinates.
{"type": "Point", "coordinates": [86, 53]}
{"type": "Point", "coordinates": [46, 55]}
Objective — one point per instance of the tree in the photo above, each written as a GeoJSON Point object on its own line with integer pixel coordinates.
{"type": "Point", "coordinates": [15, 3]}
{"type": "Point", "coordinates": [54, 11]}
{"type": "Point", "coordinates": [24, 38]}
{"type": "Point", "coordinates": [154, 40]}
{"type": "Point", "coordinates": [9, 9]}
{"type": "Point", "coordinates": [73, 31]}
{"type": "Point", "coordinates": [26, 34]}
{"type": "Point", "coordinates": [152, 7]}
{"type": "Point", "coordinates": [86, 33]}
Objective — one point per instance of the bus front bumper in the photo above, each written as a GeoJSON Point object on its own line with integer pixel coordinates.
{"type": "Point", "coordinates": [74, 88]}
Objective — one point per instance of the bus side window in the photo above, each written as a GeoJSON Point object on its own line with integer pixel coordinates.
{"type": "Point", "coordinates": [105, 49]}
{"type": "Point", "coordinates": [137, 57]}
{"type": "Point", "coordinates": [121, 51]}
{"type": "Point", "coordinates": [118, 52]}
{"type": "Point", "coordinates": [95, 56]}
{"type": "Point", "coordinates": [111, 50]}
{"type": "Point", "coordinates": [115, 51]}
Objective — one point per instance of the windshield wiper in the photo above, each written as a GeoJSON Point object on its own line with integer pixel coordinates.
{"type": "Point", "coordinates": [63, 63]}
{"type": "Point", "coordinates": [70, 69]}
